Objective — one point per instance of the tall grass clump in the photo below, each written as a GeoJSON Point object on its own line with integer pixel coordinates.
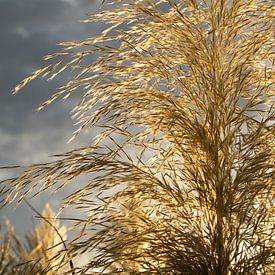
{"type": "Point", "coordinates": [40, 252]}
{"type": "Point", "coordinates": [180, 177]}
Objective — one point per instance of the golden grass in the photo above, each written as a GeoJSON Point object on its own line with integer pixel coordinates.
{"type": "Point", "coordinates": [40, 252]}
{"type": "Point", "coordinates": [182, 173]}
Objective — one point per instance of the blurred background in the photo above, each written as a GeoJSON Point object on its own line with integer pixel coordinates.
{"type": "Point", "coordinates": [31, 29]}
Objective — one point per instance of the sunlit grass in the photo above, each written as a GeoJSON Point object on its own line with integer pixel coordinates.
{"type": "Point", "coordinates": [39, 252]}
{"type": "Point", "coordinates": [181, 175]}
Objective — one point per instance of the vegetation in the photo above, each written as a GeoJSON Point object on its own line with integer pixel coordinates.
{"type": "Point", "coordinates": [180, 175]}
{"type": "Point", "coordinates": [38, 253]}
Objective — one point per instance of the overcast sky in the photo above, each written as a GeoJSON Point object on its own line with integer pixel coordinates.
{"type": "Point", "coordinates": [31, 29]}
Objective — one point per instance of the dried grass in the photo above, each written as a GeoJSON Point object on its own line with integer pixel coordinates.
{"type": "Point", "coordinates": [182, 174]}
{"type": "Point", "coordinates": [40, 252]}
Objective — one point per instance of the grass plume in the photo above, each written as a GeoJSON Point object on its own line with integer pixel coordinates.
{"type": "Point", "coordinates": [181, 177]}
{"type": "Point", "coordinates": [40, 252]}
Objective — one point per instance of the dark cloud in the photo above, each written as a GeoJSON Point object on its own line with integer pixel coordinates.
{"type": "Point", "coordinates": [30, 29]}
{"type": "Point", "coordinates": [41, 15]}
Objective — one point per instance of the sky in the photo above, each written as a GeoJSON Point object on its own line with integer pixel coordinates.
{"type": "Point", "coordinates": [31, 29]}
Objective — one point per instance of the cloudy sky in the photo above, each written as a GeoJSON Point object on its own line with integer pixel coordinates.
{"type": "Point", "coordinates": [31, 29]}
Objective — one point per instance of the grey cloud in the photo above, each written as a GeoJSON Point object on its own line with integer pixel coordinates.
{"type": "Point", "coordinates": [41, 15]}
{"type": "Point", "coordinates": [26, 35]}
{"type": "Point", "coordinates": [30, 29]}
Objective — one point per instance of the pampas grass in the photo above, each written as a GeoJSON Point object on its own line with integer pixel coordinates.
{"type": "Point", "coordinates": [40, 252]}
{"type": "Point", "coordinates": [181, 174]}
